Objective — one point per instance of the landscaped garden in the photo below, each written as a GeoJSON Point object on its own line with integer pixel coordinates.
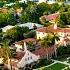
{"type": "Point", "coordinates": [43, 62]}
{"type": "Point", "coordinates": [56, 66]}
{"type": "Point", "coordinates": [63, 57]}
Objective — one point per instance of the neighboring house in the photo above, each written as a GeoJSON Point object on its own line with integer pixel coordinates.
{"type": "Point", "coordinates": [62, 32]}
{"type": "Point", "coordinates": [39, 1]}
{"type": "Point", "coordinates": [23, 57]}
{"type": "Point", "coordinates": [67, 2]}
{"type": "Point", "coordinates": [30, 25]}
{"type": "Point", "coordinates": [47, 1]}
{"type": "Point", "coordinates": [10, 4]}
{"type": "Point", "coordinates": [4, 29]}
{"type": "Point", "coordinates": [51, 1]}
{"type": "Point", "coordinates": [52, 17]}
{"type": "Point", "coordinates": [22, 1]}
{"type": "Point", "coordinates": [3, 10]}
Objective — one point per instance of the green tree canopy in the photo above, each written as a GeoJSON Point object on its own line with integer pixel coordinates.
{"type": "Point", "coordinates": [16, 33]}
{"type": "Point", "coordinates": [49, 40]}
{"type": "Point", "coordinates": [6, 19]}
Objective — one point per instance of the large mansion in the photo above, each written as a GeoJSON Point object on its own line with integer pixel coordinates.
{"type": "Point", "coordinates": [63, 33]}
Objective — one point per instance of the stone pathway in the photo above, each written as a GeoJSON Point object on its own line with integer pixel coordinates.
{"type": "Point", "coordinates": [45, 66]}
{"type": "Point", "coordinates": [55, 61]}
{"type": "Point", "coordinates": [61, 62]}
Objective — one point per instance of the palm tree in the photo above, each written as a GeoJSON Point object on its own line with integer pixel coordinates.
{"type": "Point", "coordinates": [50, 40]}
{"type": "Point", "coordinates": [6, 54]}
{"type": "Point", "coordinates": [55, 39]}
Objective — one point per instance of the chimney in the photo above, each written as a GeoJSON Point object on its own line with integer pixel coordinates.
{"type": "Point", "coordinates": [55, 26]}
{"type": "Point", "coordinates": [34, 26]}
{"type": "Point", "coordinates": [25, 46]}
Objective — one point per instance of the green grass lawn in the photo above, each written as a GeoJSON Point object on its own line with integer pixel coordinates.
{"type": "Point", "coordinates": [57, 66]}
{"type": "Point", "coordinates": [63, 57]}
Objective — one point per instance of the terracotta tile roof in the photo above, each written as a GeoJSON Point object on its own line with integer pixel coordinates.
{"type": "Point", "coordinates": [4, 10]}
{"type": "Point", "coordinates": [51, 16]}
{"type": "Point", "coordinates": [48, 29]}
{"type": "Point", "coordinates": [19, 55]}
{"type": "Point", "coordinates": [43, 29]}
{"type": "Point", "coordinates": [18, 10]}
{"type": "Point", "coordinates": [51, 29]}
{"type": "Point", "coordinates": [26, 40]}
{"type": "Point", "coordinates": [44, 51]}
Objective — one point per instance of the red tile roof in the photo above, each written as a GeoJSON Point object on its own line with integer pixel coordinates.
{"type": "Point", "coordinates": [44, 51]}
{"type": "Point", "coordinates": [19, 55]}
{"type": "Point", "coordinates": [51, 16]}
{"type": "Point", "coordinates": [43, 29]}
{"type": "Point", "coordinates": [51, 29]}
{"type": "Point", "coordinates": [26, 40]}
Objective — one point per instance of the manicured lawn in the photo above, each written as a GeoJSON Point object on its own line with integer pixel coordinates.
{"type": "Point", "coordinates": [63, 57]}
{"type": "Point", "coordinates": [57, 66]}
{"type": "Point", "coordinates": [42, 63]}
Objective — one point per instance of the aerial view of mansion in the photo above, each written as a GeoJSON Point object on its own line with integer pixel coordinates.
{"type": "Point", "coordinates": [26, 55]}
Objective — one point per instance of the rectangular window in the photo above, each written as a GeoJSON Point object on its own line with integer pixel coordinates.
{"type": "Point", "coordinates": [28, 58]}
{"type": "Point", "coordinates": [25, 59]}
{"type": "Point", "coordinates": [31, 57]}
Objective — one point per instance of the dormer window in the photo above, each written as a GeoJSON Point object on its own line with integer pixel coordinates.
{"type": "Point", "coordinates": [31, 57]}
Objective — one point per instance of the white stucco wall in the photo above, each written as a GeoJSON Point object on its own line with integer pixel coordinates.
{"type": "Point", "coordinates": [1, 60]}
{"type": "Point", "coordinates": [4, 29]}
{"type": "Point", "coordinates": [27, 59]}
{"type": "Point", "coordinates": [51, 1]}
{"type": "Point", "coordinates": [18, 47]}
{"type": "Point", "coordinates": [40, 1]}
{"type": "Point", "coordinates": [40, 35]}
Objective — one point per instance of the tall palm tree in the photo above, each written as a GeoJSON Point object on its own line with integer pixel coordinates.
{"type": "Point", "coordinates": [6, 54]}
{"type": "Point", "coordinates": [54, 39]}
{"type": "Point", "coordinates": [50, 40]}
